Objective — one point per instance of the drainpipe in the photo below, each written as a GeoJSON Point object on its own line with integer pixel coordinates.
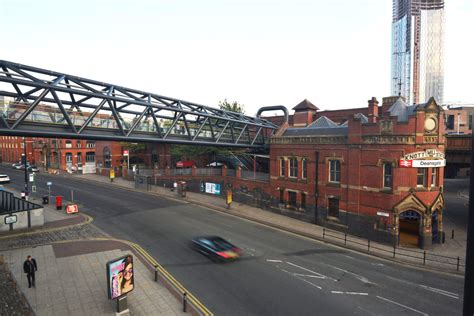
{"type": "Point", "coordinates": [316, 188]}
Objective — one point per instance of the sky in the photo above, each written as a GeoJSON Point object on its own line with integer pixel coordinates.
{"type": "Point", "coordinates": [335, 53]}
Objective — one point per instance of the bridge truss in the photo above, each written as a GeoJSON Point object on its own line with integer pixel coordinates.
{"type": "Point", "coordinates": [42, 103]}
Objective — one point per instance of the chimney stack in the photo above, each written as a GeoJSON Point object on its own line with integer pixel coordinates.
{"type": "Point", "coordinates": [373, 110]}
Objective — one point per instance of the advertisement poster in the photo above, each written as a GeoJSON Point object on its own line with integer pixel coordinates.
{"type": "Point", "coordinates": [213, 188]}
{"type": "Point", "coordinates": [120, 280]}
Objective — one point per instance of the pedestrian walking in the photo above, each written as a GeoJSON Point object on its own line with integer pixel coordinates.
{"type": "Point", "coordinates": [30, 267]}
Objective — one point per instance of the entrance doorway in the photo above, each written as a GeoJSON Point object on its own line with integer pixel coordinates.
{"type": "Point", "coordinates": [409, 224]}
{"type": "Point", "coordinates": [292, 199]}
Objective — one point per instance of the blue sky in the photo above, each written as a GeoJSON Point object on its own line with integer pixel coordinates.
{"type": "Point", "coordinates": [258, 52]}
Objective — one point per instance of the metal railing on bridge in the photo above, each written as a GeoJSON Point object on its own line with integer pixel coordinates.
{"type": "Point", "coordinates": [43, 103]}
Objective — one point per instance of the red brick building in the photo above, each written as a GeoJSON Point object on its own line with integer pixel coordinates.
{"type": "Point", "coordinates": [12, 148]}
{"type": "Point", "coordinates": [350, 173]}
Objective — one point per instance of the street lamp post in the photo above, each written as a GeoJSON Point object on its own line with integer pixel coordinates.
{"type": "Point", "coordinates": [468, 304]}
{"type": "Point", "coordinates": [26, 167]}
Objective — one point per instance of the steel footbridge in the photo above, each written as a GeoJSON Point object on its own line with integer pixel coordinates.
{"type": "Point", "coordinates": [36, 102]}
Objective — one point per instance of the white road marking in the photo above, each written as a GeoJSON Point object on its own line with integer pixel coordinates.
{"type": "Point", "coordinates": [357, 276]}
{"type": "Point", "coordinates": [348, 257]}
{"type": "Point", "coordinates": [274, 260]}
{"type": "Point", "coordinates": [429, 288]}
{"type": "Point", "coordinates": [296, 275]}
{"type": "Point", "coordinates": [308, 275]}
{"type": "Point", "coordinates": [404, 306]}
{"type": "Point", "coordinates": [349, 293]}
{"type": "Point", "coordinates": [378, 264]}
{"type": "Point", "coordinates": [313, 272]}
{"type": "Point", "coordinates": [439, 291]}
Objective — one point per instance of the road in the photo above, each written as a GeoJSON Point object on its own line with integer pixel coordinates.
{"type": "Point", "coordinates": [280, 273]}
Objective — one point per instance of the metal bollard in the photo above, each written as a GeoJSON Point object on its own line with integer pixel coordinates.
{"type": "Point", "coordinates": [345, 239]}
{"type": "Point", "coordinates": [324, 232]}
{"type": "Point", "coordinates": [424, 257]}
{"type": "Point", "coordinates": [185, 301]}
{"type": "Point", "coordinates": [457, 266]}
{"type": "Point", "coordinates": [452, 234]}
{"type": "Point", "coordinates": [394, 251]}
{"type": "Point", "coordinates": [156, 273]}
{"type": "Point", "coordinates": [368, 245]}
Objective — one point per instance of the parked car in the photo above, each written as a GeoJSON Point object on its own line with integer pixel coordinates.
{"type": "Point", "coordinates": [4, 178]}
{"type": "Point", "coordinates": [16, 165]}
{"type": "Point", "coordinates": [216, 248]}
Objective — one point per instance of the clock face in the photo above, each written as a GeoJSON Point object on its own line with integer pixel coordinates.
{"type": "Point", "coordinates": [430, 124]}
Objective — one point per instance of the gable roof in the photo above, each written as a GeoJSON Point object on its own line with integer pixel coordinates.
{"type": "Point", "coordinates": [305, 105]}
{"type": "Point", "coordinates": [362, 118]}
{"type": "Point", "coordinates": [322, 122]}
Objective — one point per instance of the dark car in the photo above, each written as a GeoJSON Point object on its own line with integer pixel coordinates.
{"type": "Point", "coordinates": [216, 248]}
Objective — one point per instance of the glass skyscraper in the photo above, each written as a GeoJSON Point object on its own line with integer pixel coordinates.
{"type": "Point", "coordinates": [417, 50]}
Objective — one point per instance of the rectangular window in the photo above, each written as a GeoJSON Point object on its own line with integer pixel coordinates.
{"type": "Point", "coordinates": [78, 144]}
{"type": "Point", "coordinates": [334, 171]}
{"type": "Point", "coordinates": [68, 144]}
{"type": "Point", "coordinates": [68, 157]}
{"type": "Point", "coordinates": [303, 200]}
{"type": "Point", "coordinates": [470, 122]}
{"type": "Point", "coordinates": [90, 144]}
{"type": "Point", "coordinates": [304, 168]}
{"type": "Point", "coordinates": [434, 177]}
{"type": "Point", "coordinates": [333, 207]}
{"type": "Point", "coordinates": [282, 167]}
{"type": "Point", "coordinates": [421, 177]}
{"type": "Point", "coordinates": [387, 175]}
{"type": "Point", "coordinates": [450, 122]}
{"type": "Point", "coordinates": [293, 168]}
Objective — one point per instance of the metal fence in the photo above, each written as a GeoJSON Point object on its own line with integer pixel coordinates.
{"type": "Point", "coordinates": [250, 175]}
{"type": "Point", "coordinates": [9, 203]}
{"type": "Point", "coordinates": [209, 172]}
{"type": "Point", "coordinates": [415, 256]}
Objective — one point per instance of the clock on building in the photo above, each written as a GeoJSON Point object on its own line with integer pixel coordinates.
{"type": "Point", "coordinates": [430, 124]}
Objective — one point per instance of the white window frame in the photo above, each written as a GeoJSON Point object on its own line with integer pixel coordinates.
{"type": "Point", "coordinates": [336, 171]}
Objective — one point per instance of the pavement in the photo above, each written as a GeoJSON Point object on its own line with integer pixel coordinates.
{"type": "Point", "coordinates": [71, 254]}
{"type": "Point", "coordinates": [447, 257]}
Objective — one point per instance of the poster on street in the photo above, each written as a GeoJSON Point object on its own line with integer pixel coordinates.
{"type": "Point", "coordinates": [213, 188]}
{"type": "Point", "coordinates": [120, 280]}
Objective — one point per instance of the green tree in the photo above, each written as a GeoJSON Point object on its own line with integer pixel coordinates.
{"type": "Point", "coordinates": [231, 106]}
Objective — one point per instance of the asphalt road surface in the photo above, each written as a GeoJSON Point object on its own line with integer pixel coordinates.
{"type": "Point", "coordinates": [280, 273]}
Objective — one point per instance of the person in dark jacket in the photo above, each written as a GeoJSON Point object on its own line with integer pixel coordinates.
{"type": "Point", "coordinates": [29, 267]}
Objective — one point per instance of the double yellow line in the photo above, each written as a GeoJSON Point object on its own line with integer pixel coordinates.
{"type": "Point", "coordinates": [170, 278]}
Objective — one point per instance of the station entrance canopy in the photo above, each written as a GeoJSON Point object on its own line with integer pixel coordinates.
{"type": "Point", "coordinates": [42, 103]}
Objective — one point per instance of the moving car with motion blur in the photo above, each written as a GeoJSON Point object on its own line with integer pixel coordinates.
{"type": "Point", "coordinates": [216, 248]}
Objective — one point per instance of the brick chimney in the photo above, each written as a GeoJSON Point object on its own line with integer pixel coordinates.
{"type": "Point", "coordinates": [373, 112]}
{"type": "Point", "coordinates": [304, 113]}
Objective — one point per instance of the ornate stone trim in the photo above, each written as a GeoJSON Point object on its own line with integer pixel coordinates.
{"type": "Point", "coordinates": [308, 140]}
{"type": "Point", "coordinates": [388, 139]}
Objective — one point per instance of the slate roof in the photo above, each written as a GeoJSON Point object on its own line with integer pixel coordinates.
{"type": "Point", "coordinates": [401, 109]}
{"type": "Point", "coordinates": [305, 105]}
{"type": "Point", "coordinates": [322, 122]}
{"type": "Point", "coordinates": [323, 126]}
{"type": "Point", "coordinates": [362, 117]}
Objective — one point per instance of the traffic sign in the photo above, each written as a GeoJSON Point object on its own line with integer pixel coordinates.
{"type": "Point", "coordinates": [49, 183]}
{"type": "Point", "coordinates": [12, 219]}
{"type": "Point", "coordinates": [125, 152]}
{"type": "Point", "coordinates": [72, 208]}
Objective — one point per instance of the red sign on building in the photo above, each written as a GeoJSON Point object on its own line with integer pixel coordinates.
{"type": "Point", "coordinates": [405, 163]}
